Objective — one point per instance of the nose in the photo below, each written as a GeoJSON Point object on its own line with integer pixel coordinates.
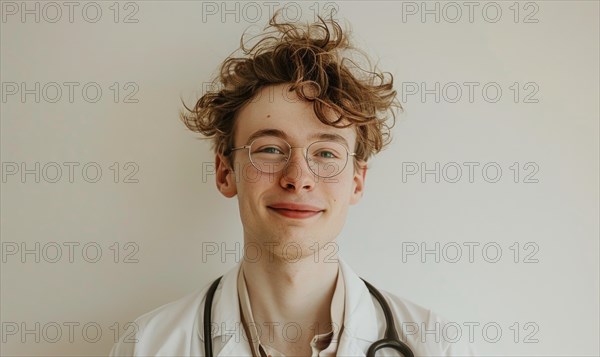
{"type": "Point", "coordinates": [297, 176]}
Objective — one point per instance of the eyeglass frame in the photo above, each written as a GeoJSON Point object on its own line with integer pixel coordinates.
{"type": "Point", "coordinates": [287, 161]}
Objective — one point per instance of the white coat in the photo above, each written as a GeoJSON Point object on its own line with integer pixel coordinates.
{"type": "Point", "coordinates": [176, 329]}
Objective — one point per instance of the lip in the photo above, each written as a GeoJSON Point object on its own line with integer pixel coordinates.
{"type": "Point", "coordinates": [294, 210]}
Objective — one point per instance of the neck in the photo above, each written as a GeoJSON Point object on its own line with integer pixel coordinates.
{"type": "Point", "coordinates": [285, 291]}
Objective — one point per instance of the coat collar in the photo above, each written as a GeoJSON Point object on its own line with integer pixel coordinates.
{"type": "Point", "coordinates": [360, 323]}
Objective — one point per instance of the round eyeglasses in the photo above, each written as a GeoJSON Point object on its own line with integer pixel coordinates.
{"type": "Point", "coordinates": [271, 154]}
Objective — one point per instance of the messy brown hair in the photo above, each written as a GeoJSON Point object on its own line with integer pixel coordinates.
{"type": "Point", "coordinates": [307, 57]}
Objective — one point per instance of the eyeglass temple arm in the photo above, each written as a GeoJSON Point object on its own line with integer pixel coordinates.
{"type": "Point", "coordinates": [238, 148]}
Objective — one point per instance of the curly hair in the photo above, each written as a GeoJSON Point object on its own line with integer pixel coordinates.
{"type": "Point", "coordinates": [307, 57]}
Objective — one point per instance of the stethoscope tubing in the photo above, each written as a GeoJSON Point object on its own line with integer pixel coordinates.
{"type": "Point", "coordinates": [390, 339]}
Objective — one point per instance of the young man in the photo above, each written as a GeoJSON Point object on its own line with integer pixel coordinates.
{"type": "Point", "coordinates": [293, 128]}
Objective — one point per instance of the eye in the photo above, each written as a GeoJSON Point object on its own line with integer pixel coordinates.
{"type": "Point", "coordinates": [327, 154]}
{"type": "Point", "coordinates": [270, 150]}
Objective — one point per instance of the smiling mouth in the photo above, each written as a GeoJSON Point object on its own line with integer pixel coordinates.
{"type": "Point", "coordinates": [298, 214]}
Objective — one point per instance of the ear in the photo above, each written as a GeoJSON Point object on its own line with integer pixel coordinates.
{"type": "Point", "coordinates": [359, 182]}
{"type": "Point", "coordinates": [225, 177]}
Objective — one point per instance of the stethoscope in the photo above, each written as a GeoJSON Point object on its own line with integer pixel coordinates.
{"type": "Point", "coordinates": [390, 340]}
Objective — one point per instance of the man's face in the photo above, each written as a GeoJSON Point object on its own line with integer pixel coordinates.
{"type": "Point", "coordinates": [277, 231]}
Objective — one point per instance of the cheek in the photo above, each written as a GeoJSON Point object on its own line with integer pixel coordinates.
{"type": "Point", "coordinates": [339, 193]}
{"type": "Point", "coordinates": [248, 175]}
{"type": "Point", "coordinates": [251, 185]}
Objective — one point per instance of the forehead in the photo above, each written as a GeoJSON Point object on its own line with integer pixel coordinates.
{"type": "Point", "coordinates": [274, 107]}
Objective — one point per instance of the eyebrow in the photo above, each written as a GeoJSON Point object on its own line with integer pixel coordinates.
{"type": "Point", "coordinates": [283, 135]}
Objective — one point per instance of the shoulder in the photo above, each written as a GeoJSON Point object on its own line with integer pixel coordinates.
{"type": "Point", "coordinates": [426, 331]}
{"type": "Point", "coordinates": [174, 314]}
{"type": "Point", "coordinates": [172, 323]}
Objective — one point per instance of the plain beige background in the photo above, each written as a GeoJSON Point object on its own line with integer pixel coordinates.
{"type": "Point", "coordinates": [542, 289]}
